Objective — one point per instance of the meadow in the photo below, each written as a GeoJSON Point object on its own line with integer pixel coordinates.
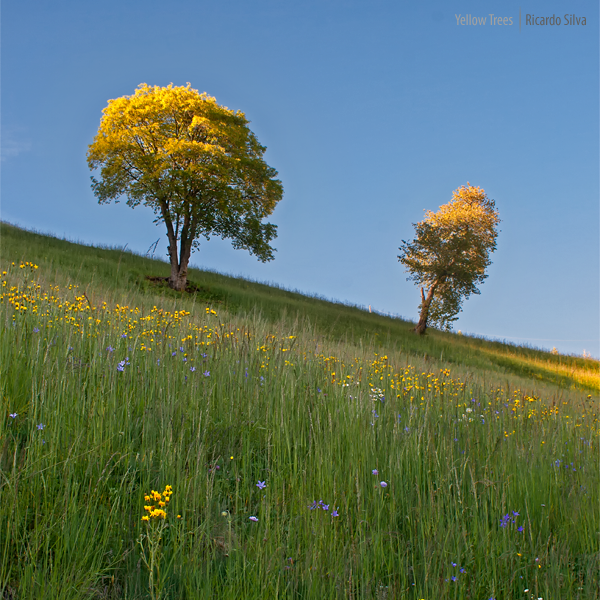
{"type": "Point", "coordinates": [245, 441]}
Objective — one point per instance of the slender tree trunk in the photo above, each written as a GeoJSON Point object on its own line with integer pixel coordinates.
{"type": "Point", "coordinates": [178, 278]}
{"type": "Point", "coordinates": [425, 302]}
{"type": "Point", "coordinates": [174, 280]}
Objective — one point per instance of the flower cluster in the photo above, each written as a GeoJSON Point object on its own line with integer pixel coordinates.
{"type": "Point", "coordinates": [320, 504]}
{"type": "Point", "coordinates": [377, 395]}
{"type": "Point", "coordinates": [121, 366]}
{"type": "Point", "coordinates": [161, 499]}
{"type": "Point", "coordinates": [461, 571]}
{"type": "Point", "coordinates": [508, 518]}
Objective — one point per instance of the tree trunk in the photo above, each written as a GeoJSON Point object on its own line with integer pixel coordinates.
{"type": "Point", "coordinates": [178, 278]}
{"type": "Point", "coordinates": [179, 268]}
{"type": "Point", "coordinates": [425, 302]}
{"type": "Point", "coordinates": [179, 265]}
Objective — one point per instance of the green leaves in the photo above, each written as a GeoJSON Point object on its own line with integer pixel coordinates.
{"type": "Point", "coordinates": [194, 162]}
{"type": "Point", "coordinates": [450, 252]}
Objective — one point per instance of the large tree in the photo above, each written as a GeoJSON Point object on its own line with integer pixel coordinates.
{"type": "Point", "coordinates": [195, 163]}
{"type": "Point", "coordinates": [450, 254]}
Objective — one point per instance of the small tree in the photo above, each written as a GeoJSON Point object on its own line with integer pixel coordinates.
{"type": "Point", "coordinates": [450, 253]}
{"type": "Point", "coordinates": [195, 163]}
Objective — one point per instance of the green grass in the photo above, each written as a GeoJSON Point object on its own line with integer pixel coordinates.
{"type": "Point", "coordinates": [119, 275]}
{"type": "Point", "coordinates": [307, 396]}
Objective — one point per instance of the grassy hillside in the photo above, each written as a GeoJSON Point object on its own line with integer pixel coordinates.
{"type": "Point", "coordinates": [117, 274]}
{"type": "Point", "coordinates": [249, 442]}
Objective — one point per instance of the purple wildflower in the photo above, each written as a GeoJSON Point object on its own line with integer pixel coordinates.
{"type": "Point", "coordinates": [261, 485]}
{"type": "Point", "coordinates": [192, 369]}
{"type": "Point", "coordinates": [41, 426]}
{"type": "Point", "coordinates": [36, 330]}
{"type": "Point", "coordinates": [13, 415]}
{"type": "Point", "coordinates": [325, 506]}
{"type": "Point", "coordinates": [375, 472]}
{"type": "Point", "coordinates": [383, 484]}
{"type": "Point", "coordinates": [206, 373]}
{"type": "Point", "coordinates": [121, 366]}
{"type": "Point", "coordinates": [255, 519]}
{"type": "Point", "coordinates": [335, 513]}
{"type": "Point", "coordinates": [110, 349]}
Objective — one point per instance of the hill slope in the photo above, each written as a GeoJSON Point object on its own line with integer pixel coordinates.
{"type": "Point", "coordinates": [117, 273]}
{"type": "Point", "coordinates": [239, 442]}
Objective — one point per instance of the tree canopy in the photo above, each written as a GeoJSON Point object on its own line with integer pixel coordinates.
{"type": "Point", "coordinates": [194, 162]}
{"type": "Point", "coordinates": [450, 254]}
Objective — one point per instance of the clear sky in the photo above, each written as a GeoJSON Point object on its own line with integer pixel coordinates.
{"type": "Point", "coordinates": [372, 111]}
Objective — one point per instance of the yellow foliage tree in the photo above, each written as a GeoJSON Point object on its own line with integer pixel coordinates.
{"type": "Point", "coordinates": [450, 254]}
{"type": "Point", "coordinates": [194, 162]}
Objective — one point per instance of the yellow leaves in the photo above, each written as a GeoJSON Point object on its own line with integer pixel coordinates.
{"type": "Point", "coordinates": [154, 114]}
{"type": "Point", "coordinates": [174, 127]}
{"type": "Point", "coordinates": [469, 212]}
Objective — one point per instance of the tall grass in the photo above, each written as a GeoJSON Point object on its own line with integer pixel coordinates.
{"type": "Point", "coordinates": [442, 487]}
{"type": "Point", "coordinates": [119, 276]}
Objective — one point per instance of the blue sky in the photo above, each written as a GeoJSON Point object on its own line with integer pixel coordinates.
{"type": "Point", "coordinates": [371, 112]}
